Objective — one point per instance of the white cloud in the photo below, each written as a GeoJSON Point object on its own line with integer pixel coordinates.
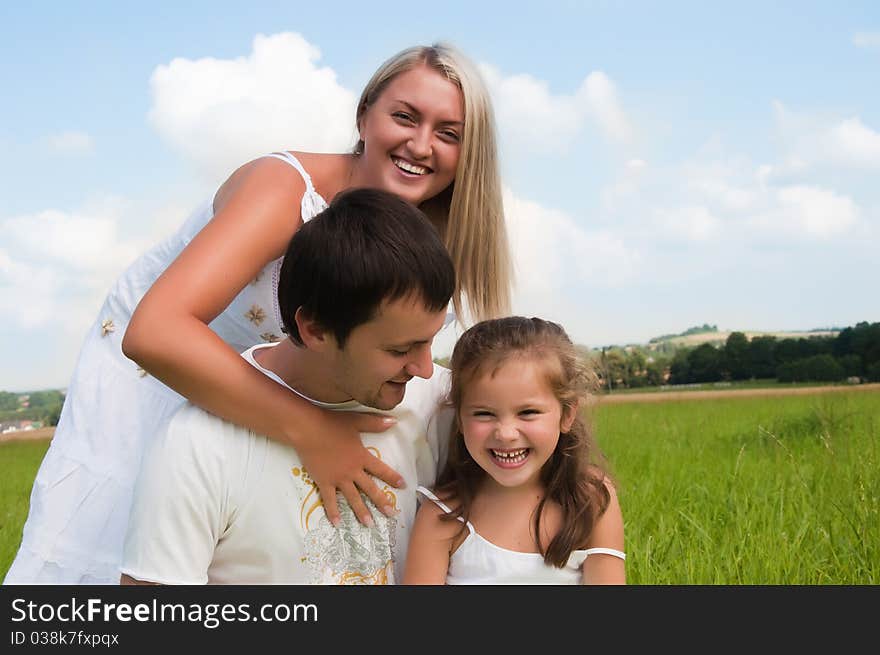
{"type": "Point", "coordinates": [726, 183]}
{"type": "Point", "coordinates": [689, 223]}
{"type": "Point", "coordinates": [600, 95]}
{"type": "Point", "coordinates": [551, 252]}
{"type": "Point", "coordinates": [799, 213]}
{"type": "Point", "coordinates": [72, 143]}
{"type": "Point", "coordinates": [817, 212]}
{"type": "Point", "coordinates": [851, 140]}
{"type": "Point", "coordinates": [56, 265]}
{"type": "Point", "coordinates": [28, 293]}
{"type": "Point", "coordinates": [815, 140]}
{"type": "Point", "coordinates": [867, 39]}
{"type": "Point", "coordinates": [626, 187]}
{"type": "Point", "coordinates": [764, 173]}
{"type": "Point", "coordinates": [791, 213]}
{"type": "Point", "coordinates": [71, 240]}
{"type": "Point", "coordinates": [725, 202]}
{"type": "Point", "coordinates": [221, 112]}
{"type": "Point", "coordinates": [530, 115]}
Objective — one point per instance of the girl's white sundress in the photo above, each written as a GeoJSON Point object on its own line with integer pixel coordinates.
{"type": "Point", "coordinates": [81, 497]}
{"type": "Point", "coordinates": [478, 561]}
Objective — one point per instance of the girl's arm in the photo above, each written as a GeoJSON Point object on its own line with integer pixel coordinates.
{"type": "Point", "coordinates": [601, 568]}
{"type": "Point", "coordinates": [430, 546]}
{"type": "Point", "coordinates": [258, 211]}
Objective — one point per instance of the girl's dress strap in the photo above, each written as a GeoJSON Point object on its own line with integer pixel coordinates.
{"type": "Point", "coordinates": [312, 202]}
{"type": "Point", "coordinates": [605, 551]}
{"type": "Point", "coordinates": [430, 494]}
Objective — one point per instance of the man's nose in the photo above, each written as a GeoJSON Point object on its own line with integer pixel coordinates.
{"type": "Point", "coordinates": [422, 364]}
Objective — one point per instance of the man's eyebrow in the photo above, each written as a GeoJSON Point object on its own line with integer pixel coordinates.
{"type": "Point", "coordinates": [408, 343]}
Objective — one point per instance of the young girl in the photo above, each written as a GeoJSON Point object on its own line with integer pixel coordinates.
{"type": "Point", "coordinates": [425, 133]}
{"type": "Point", "coordinates": [522, 499]}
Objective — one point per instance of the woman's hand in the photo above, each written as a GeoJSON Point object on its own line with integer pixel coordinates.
{"type": "Point", "coordinates": [337, 461]}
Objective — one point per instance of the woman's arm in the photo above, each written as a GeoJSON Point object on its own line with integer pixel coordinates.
{"type": "Point", "coordinates": [430, 546]}
{"type": "Point", "coordinates": [257, 213]}
{"type": "Point", "coordinates": [601, 568]}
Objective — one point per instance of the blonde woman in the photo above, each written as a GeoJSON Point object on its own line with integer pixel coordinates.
{"type": "Point", "coordinates": [173, 325]}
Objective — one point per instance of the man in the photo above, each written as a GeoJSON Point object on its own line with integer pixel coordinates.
{"type": "Point", "coordinates": [363, 289]}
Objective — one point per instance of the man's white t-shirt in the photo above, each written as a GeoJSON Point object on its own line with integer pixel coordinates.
{"type": "Point", "coordinates": [217, 503]}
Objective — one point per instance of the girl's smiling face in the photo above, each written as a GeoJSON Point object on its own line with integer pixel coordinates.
{"type": "Point", "coordinates": [511, 421]}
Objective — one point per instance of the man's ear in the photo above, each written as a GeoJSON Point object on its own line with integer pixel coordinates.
{"type": "Point", "coordinates": [569, 414]}
{"type": "Point", "coordinates": [313, 335]}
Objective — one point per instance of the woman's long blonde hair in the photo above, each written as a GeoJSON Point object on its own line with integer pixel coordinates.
{"type": "Point", "coordinates": [470, 212]}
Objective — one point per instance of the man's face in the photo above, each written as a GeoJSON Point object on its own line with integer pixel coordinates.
{"type": "Point", "coordinates": [385, 353]}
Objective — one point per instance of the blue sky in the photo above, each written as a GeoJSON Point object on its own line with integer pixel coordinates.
{"type": "Point", "coordinates": [665, 164]}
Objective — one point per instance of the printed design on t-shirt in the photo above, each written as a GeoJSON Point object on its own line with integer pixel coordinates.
{"type": "Point", "coordinates": [351, 553]}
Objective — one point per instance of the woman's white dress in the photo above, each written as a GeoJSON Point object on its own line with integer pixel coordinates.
{"type": "Point", "coordinates": [81, 497]}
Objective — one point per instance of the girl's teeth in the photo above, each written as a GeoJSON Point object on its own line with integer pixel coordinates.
{"type": "Point", "coordinates": [512, 456]}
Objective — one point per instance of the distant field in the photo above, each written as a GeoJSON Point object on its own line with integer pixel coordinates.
{"type": "Point", "coordinates": [721, 337]}
{"type": "Point", "coordinates": [768, 383]}
{"type": "Point", "coordinates": [28, 435]}
{"type": "Point", "coordinates": [715, 391]}
{"type": "Point", "coordinates": [747, 489]}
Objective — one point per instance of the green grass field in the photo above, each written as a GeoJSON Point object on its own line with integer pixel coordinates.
{"type": "Point", "coordinates": [774, 490]}
{"type": "Point", "coordinates": [20, 461]}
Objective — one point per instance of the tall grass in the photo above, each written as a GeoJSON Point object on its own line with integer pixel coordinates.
{"type": "Point", "coordinates": [782, 490]}
{"type": "Point", "coordinates": [19, 461]}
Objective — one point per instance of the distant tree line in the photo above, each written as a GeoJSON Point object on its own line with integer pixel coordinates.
{"type": "Point", "coordinates": [43, 406]}
{"type": "Point", "coordinates": [854, 352]}
{"type": "Point", "coordinates": [630, 367]}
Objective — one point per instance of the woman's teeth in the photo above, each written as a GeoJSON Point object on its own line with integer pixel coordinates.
{"type": "Point", "coordinates": [409, 168]}
{"type": "Point", "coordinates": [511, 456]}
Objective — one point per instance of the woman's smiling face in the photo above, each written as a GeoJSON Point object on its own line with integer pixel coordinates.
{"type": "Point", "coordinates": [412, 135]}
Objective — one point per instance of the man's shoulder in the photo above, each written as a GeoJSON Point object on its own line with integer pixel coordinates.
{"type": "Point", "coordinates": [192, 415]}
{"type": "Point", "coordinates": [193, 427]}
